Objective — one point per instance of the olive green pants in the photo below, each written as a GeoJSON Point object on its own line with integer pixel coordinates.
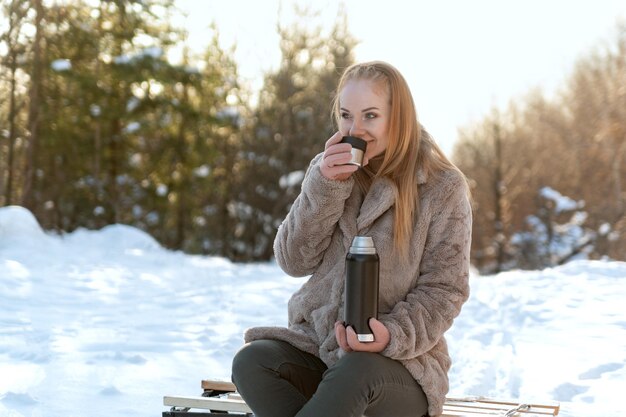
{"type": "Point", "coordinates": [278, 380]}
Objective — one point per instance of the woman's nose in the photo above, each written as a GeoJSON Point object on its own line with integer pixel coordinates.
{"type": "Point", "coordinates": [356, 129]}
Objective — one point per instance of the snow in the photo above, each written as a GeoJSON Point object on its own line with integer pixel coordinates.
{"type": "Point", "coordinates": [132, 104]}
{"type": "Point", "coordinates": [105, 323]}
{"type": "Point", "coordinates": [152, 52]}
{"type": "Point", "coordinates": [202, 171]}
{"type": "Point", "coordinates": [562, 203]}
{"type": "Point", "coordinates": [122, 59]}
{"type": "Point", "coordinates": [132, 127]}
{"type": "Point", "coordinates": [95, 110]}
{"type": "Point", "coordinates": [292, 179]}
{"type": "Point", "coordinates": [228, 113]}
{"type": "Point", "coordinates": [61, 65]}
{"type": "Point", "coordinates": [162, 190]}
{"type": "Point", "coordinates": [604, 229]}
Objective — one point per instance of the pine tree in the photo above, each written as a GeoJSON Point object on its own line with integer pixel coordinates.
{"type": "Point", "coordinates": [291, 124]}
{"type": "Point", "coordinates": [95, 57]}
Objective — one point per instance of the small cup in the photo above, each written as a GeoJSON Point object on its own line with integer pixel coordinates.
{"type": "Point", "coordinates": [358, 149]}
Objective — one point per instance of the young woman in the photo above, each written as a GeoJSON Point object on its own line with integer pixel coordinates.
{"type": "Point", "coordinates": [414, 203]}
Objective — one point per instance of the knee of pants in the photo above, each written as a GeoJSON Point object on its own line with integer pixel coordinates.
{"type": "Point", "coordinates": [246, 358]}
{"type": "Point", "coordinates": [259, 353]}
{"type": "Point", "coordinates": [358, 368]}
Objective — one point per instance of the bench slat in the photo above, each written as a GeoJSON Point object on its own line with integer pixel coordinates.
{"type": "Point", "coordinates": [550, 408]}
{"type": "Point", "coordinates": [218, 385]}
{"type": "Point", "coordinates": [493, 411]}
{"type": "Point", "coordinates": [478, 408]}
{"type": "Point", "coordinates": [207, 403]}
{"type": "Point", "coordinates": [548, 404]}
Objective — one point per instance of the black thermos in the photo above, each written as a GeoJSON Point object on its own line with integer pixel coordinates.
{"type": "Point", "coordinates": [361, 290]}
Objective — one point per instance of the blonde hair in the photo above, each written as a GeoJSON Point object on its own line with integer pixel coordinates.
{"type": "Point", "coordinates": [409, 148]}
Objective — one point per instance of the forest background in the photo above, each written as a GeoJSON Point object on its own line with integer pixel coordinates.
{"type": "Point", "coordinates": [98, 125]}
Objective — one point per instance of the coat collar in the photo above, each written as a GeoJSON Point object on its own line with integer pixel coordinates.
{"type": "Point", "coordinates": [379, 199]}
{"type": "Point", "coordinates": [361, 211]}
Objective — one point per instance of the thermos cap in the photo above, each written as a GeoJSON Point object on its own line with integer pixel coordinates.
{"type": "Point", "coordinates": [355, 142]}
{"type": "Point", "coordinates": [363, 245]}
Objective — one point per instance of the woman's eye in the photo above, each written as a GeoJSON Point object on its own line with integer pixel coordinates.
{"type": "Point", "coordinates": [370, 115]}
{"type": "Point", "coordinates": [345, 115]}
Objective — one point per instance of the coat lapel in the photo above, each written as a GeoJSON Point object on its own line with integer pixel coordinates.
{"type": "Point", "coordinates": [379, 199]}
{"type": "Point", "coordinates": [360, 213]}
{"type": "Point", "coordinates": [348, 221]}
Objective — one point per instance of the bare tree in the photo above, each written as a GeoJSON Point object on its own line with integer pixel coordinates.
{"type": "Point", "coordinates": [574, 143]}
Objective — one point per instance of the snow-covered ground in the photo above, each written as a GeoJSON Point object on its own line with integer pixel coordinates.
{"type": "Point", "coordinates": [104, 323]}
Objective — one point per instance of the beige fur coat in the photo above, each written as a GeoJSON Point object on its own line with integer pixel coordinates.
{"type": "Point", "coordinates": [419, 298]}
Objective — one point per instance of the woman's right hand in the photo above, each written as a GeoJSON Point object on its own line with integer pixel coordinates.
{"type": "Point", "coordinates": [336, 157]}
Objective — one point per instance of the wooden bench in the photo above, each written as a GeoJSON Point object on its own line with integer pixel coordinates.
{"type": "Point", "coordinates": [220, 398]}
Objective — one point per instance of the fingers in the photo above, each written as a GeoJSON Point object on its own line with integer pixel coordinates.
{"type": "Point", "coordinates": [336, 138]}
{"type": "Point", "coordinates": [381, 333]}
{"type": "Point", "coordinates": [336, 157]}
{"type": "Point", "coordinates": [340, 335]}
{"type": "Point", "coordinates": [355, 345]}
{"type": "Point", "coordinates": [353, 340]}
{"type": "Point", "coordinates": [378, 328]}
{"type": "Point", "coordinates": [336, 153]}
{"type": "Point", "coordinates": [381, 338]}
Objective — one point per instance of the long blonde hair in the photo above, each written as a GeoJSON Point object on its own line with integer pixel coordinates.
{"type": "Point", "coordinates": [410, 147]}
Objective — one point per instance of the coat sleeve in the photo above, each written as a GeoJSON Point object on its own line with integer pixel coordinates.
{"type": "Point", "coordinates": [306, 232]}
{"type": "Point", "coordinates": [418, 322]}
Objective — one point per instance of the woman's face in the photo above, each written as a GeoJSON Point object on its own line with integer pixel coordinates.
{"type": "Point", "coordinates": [364, 113]}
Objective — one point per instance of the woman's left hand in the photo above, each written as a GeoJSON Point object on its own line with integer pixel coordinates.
{"type": "Point", "coordinates": [348, 341]}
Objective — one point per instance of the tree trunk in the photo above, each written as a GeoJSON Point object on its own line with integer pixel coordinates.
{"type": "Point", "coordinates": [617, 168]}
{"type": "Point", "coordinates": [184, 183]}
{"type": "Point", "coordinates": [12, 128]}
{"type": "Point", "coordinates": [113, 171]}
{"type": "Point", "coordinates": [97, 113]}
{"type": "Point", "coordinates": [498, 187]}
{"type": "Point", "coordinates": [33, 112]}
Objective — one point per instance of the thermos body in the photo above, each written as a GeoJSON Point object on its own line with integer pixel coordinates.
{"type": "Point", "coordinates": [361, 287]}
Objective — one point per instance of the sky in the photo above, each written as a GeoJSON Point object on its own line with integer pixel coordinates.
{"type": "Point", "coordinates": [461, 58]}
{"type": "Point", "coordinates": [106, 322]}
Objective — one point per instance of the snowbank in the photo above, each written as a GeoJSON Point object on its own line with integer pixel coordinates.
{"type": "Point", "coordinates": [106, 322]}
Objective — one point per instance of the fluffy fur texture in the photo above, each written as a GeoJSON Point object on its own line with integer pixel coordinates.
{"type": "Point", "coordinates": [419, 296]}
